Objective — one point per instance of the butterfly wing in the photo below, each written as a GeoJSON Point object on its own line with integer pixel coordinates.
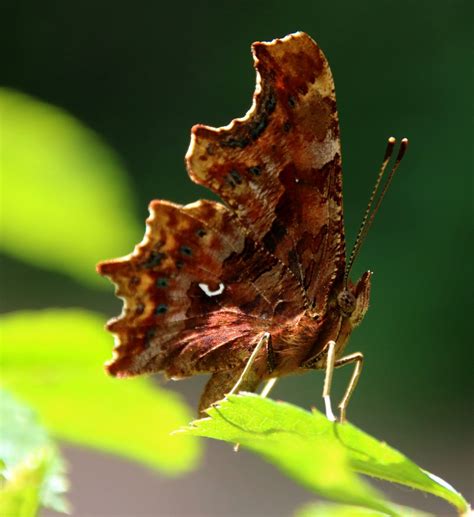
{"type": "Point", "coordinates": [198, 293]}
{"type": "Point", "coordinates": [279, 167]}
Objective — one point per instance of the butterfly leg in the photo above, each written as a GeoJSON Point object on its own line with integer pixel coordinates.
{"type": "Point", "coordinates": [264, 341]}
{"type": "Point", "coordinates": [231, 381]}
{"type": "Point", "coordinates": [268, 387]}
{"type": "Point", "coordinates": [330, 365]}
{"type": "Point", "coordinates": [220, 383]}
{"type": "Point", "coordinates": [358, 359]}
{"type": "Point", "coordinates": [271, 365]}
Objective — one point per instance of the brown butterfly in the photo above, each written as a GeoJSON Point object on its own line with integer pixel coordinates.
{"type": "Point", "coordinates": [258, 287]}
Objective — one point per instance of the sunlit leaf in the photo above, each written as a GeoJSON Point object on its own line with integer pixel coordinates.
{"type": "Point", "coordinates": [21, 438]}
{"type": "Point", "coordinates": [65, 198]}
{"type": "Point", "coordinates": [377, 459]}
{"type": "Point", "coordinates": [20, 495]}
{"type": "Point", "coordinates": [53, 360]}
{"type": "Point", "coordinates": [336, 510]}
{"type": "Point", "coordinates": [318, 453]}
{"type": "Point", "coordinates": [289, 437]}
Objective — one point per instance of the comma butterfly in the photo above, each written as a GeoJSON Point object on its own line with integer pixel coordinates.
{"type": "Point", "coordinates": [258, 287]}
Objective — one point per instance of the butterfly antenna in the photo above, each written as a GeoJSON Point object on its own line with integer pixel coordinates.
{"type": "Point", "coordinates": [357, 244]}
{"type": "Point", "coordinates": [369, 215]}
{"type": "Point", "coordinates": [400, 155]}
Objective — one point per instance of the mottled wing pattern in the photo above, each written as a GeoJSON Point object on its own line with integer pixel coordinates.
{"type": "Point", "coordinates": [279, 167]}
{"type": "Point", "coordinates": [198, 292]}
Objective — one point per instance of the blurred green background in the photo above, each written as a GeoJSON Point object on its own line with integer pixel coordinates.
{"type": "Point", "coordinates": [141, 74]}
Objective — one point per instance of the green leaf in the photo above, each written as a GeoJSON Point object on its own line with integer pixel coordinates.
{"type": "Point", "coordinates": [53, 360]}
{"type": "Point", "coordinates": [20, 440]}
{"type": "Point", "coordinates": [336, 510]}
{"type": "Point", "coordinates": [20, 495]}
{"type": "Point", "coordinates": [65, 202]}
{"type": "Point", "coordinates": [377, 459]}
{"type": "Point", "coordinates": [290, 438]}
{"type": "Point", "coordinates": [318, 453]}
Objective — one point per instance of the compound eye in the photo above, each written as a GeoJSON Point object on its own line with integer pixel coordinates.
{"type": "Point", "coordinates": [347, 302]}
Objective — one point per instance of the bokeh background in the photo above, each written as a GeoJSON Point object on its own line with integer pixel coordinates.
{"type": "Point", "coordinates": [141, 74]}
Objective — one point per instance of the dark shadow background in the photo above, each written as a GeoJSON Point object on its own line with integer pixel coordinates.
{"type": "Point", "coordinates": [142, 73]}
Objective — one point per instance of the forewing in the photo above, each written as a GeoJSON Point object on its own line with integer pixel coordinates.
{"type": "Point", "coordinates": [194, 289]}
{"type": "Point", "coordinates": [279, 167]}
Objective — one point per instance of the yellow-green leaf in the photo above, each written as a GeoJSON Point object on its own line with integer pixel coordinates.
{"type": "Point", "coordinates": [323, 455]}
{"type": "Point", "coordinates": [53, 360]}
{"type": "Point", "coordinates": [21, 437]}
{"type": "Point", "coordinates": [20, 494]}
{"type": "Point", "coordinates": [290, 438]}
{"type": "Point", "coordinates": [65, 198]}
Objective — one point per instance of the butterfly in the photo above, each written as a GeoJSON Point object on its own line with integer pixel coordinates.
{"type": "Point", "coordinates": [256, 287]}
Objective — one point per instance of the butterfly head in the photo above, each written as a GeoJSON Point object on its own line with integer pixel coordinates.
{"type": "Point", "coordinates": [353, 300]}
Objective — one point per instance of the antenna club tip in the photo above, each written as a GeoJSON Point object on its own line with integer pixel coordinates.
{"type": "Point", "coordinates": [404, 141]}
{"type": "Point", "coordinates": [392, 140]}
